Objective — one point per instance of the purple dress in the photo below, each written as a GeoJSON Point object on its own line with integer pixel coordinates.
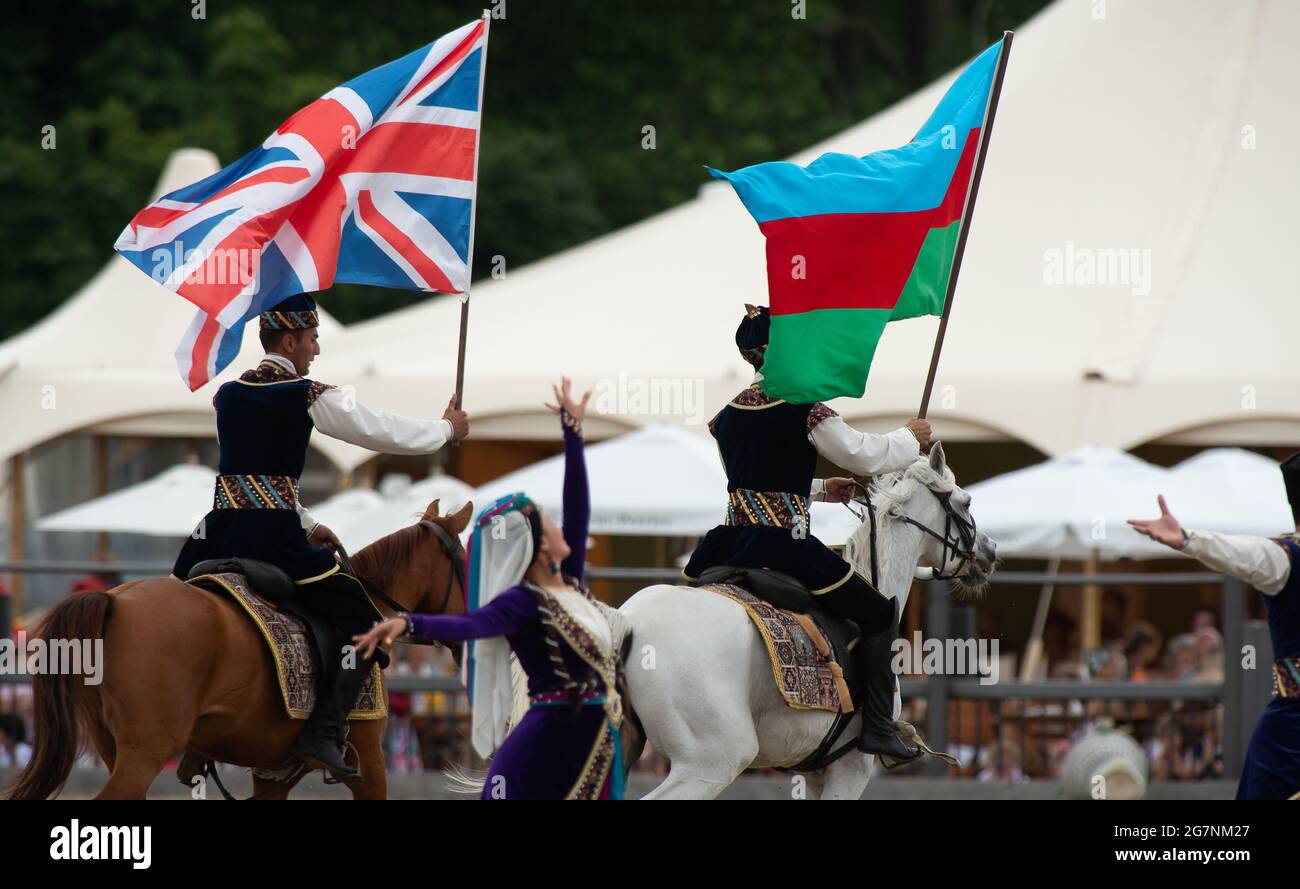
{"type": "Point", "coordinates": [554, 753]}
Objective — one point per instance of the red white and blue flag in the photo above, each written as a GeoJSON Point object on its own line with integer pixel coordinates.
{"type": "Point", "coordinates": [373, 183]}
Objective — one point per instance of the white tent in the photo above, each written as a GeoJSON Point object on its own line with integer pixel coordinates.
{"type": "Point", "coordinates": [361, 516]}
{"type": "Point", "coordinates": [168, 505]}
{"type": "Point", "coordinates": [171, 503]}
{"type": "Point", "coordinates": [103, 362]}
{"type": "Point", "coordinates": [660, 480]}
{"type": "Point", "coordinates": [1132, 132]}
{"type": "Point", "coordinates": [1228, 490]}
{"type": "Point", "coordinates": [1071, 505]}
{"type": "Point", "coordinates": [1078, 503]}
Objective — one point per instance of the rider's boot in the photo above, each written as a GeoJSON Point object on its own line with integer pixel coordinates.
{"type": "Point", "coordinates": [321, 744]}
{"type": "Point", "coordinates": [875, 654]}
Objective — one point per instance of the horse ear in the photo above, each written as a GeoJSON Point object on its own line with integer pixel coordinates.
{"type": "Point", "coordinates": [458, 520]}
{"type": "Point", "coordinates": [937, 459]}
{"type": "Point", "coordinates": [432, 511]}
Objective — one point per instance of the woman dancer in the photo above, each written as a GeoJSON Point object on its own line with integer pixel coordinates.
{"type": "Point", "coordinates": [526, 596]}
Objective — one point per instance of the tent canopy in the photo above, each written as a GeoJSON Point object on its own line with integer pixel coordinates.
{"type": "Point", "coordinates": [361, 516]}
{"type": "Point", "coordinates": [1079, 502]}
{"type": "Point", "coordinates": [1157, 157]}
{"type": "Point", "coordinates": [659, 480]}
{"type": "Point", "coordinates": [1124, 143]}
{"type": "Point", "coordinates": [168, 505]}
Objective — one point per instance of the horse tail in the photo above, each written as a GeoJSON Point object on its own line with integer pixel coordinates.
{"type": "Point", "coordinates": [62, 702]}
{"type": "Point", "coordinates": [633, 732]}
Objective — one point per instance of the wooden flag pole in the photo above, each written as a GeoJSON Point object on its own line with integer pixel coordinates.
{"type": "Point", "coordinates": [469, 270]}
{"type": "Point", "coordinates": [969, 211]}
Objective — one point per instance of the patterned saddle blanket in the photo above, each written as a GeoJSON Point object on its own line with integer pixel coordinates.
{"type": "Point", "coordinates": [803, 661]}
{"type": "Point", "coordinates": [297, 663]}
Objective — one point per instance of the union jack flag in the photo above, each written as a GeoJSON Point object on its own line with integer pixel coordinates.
{"type": "Point", "coordinates": [372, 183]}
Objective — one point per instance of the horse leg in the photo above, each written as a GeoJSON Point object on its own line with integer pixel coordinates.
{"type": "Point", "coordinates": [702, 767]}
{"type": "Point", "coordinates": [147, 713]}
{"type": "Point", "coordinates": [847, 777]}
{"type": "Point", "coordinates": [134, 770]}
{"type": "Point", "coordinates": [367, 737]}
{"type": "Point", "coordinates": [814, 783]}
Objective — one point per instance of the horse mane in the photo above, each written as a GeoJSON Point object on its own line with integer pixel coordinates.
{"type": "Point", "coordinates": [378, 562]}
{"type": "Point", "coordinates": [888, 493]}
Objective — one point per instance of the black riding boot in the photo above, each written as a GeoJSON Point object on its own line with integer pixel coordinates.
{"type": "Point", "coordinates": [875, 652]}
{"type": "Point", "coordinates": [320, 745]}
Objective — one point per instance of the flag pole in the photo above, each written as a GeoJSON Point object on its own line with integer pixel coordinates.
{"type": "Point", "coordinates": [985, 132]}
{"type": "Point", "coordinates": [473, 218]}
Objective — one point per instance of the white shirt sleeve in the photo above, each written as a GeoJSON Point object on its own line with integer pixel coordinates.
{"type": "Point", "coordinates": [1257, 561]}
{"type": "Point", "coordinates": [305, 518]}
{"type": "Point", "coordinates": [337, 416]}
{"type": "Point", "coordinates": [818, 490]}
{"type": "Point", "coordinates": [864, 453]}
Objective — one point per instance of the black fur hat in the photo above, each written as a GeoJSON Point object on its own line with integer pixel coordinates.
{"type": "Point", "coordinates": [753, 332]}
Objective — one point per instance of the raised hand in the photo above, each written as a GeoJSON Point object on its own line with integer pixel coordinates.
{"type": "Point", "coordinates": [1164, 530]}
{"type": "Point", "coordinates": [564, 399]}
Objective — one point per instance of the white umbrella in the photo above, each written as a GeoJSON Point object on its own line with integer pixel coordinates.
{"type": "Point", "coordinates": [659, 480]}
{"type": "Point", "coordinates": [361, 516]}
{"type": "Point", "coordinates": [168, 505]}
{"type": "Point", "coordinates": [1071, 505]}
{"type": "Point", "coordinates": [1227, 489]}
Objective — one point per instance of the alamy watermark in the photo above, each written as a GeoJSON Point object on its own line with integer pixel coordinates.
{"type": "Point", "coordinates": [174, 265]}
{"type": "Point", "coordinates": [947, 657]}
{"type": "Point", "coordinates": [23, 656]}
{"type": "Point", "coordinates": [1098, 266]}
{"type": "Point", "coordinates": [652, 396]}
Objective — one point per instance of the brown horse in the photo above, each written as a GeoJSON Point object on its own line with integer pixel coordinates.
{"type": "Point", "coordinates": [186, 669]}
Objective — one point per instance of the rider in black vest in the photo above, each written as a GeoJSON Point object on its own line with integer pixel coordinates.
{"type": "Point", "coordinates": [770, 449]}
{"type": "Point", "coordinates": [264, 422]}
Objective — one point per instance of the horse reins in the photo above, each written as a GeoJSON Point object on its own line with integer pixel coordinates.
{"type": "Point", "coordinates": [963, 546]}
{"type": "Point", "coordinates": [450, 545]}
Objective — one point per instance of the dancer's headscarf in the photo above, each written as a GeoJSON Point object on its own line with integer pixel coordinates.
{"type": "Point", "coordinates": [500, 551]}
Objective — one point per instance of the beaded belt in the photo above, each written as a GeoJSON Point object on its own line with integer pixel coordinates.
{"type": "Point", "coordinates": [774, 508]}
{"type": "Point", "coordinates": [561, 698]}
{"type": "Point", "coordinates": [1286, 676]}
{"type": "Point", "coordinates": [256, 492]}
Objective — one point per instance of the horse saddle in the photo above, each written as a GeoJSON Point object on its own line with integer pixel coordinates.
{"type": "Point", "coordinates": [787, 593]}
{"type": "Point", "coordinates": [273, 584]}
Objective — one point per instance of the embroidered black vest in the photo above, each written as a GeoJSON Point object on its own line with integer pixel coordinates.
{"type": "Point", "coordinates": [764, 442]}
{"type": "Point", "coordinates": [262, 423]}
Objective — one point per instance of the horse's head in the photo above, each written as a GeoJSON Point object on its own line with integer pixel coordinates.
{"type": "Point", "coordinates": [422, 566]}
{"type": "Point", "coordinates": [927, 497]}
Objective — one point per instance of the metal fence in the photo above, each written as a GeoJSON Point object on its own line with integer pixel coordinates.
{"type": "Point", "coordinates": [961, 713]}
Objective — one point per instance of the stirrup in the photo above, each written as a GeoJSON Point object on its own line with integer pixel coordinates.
{"type": "Point", "coordinates": [909, 735]}
{"type": "Point", "coordinates": [331, 779]}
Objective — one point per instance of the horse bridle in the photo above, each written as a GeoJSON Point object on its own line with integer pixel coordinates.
{"type": "Point", "coordinates": [450, 546]}
{"type": "Point", "coordinates": [963, 545]}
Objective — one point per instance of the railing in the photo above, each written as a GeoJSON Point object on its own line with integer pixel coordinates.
{"type": "Point", "coordinates": [1020, 708]}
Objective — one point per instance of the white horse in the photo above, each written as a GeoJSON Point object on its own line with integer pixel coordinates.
{"type": "Point", "coordinates": [699, 677]}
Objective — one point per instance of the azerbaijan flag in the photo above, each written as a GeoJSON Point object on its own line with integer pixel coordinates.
{"type": "Point", "coordinates": [856, 242]}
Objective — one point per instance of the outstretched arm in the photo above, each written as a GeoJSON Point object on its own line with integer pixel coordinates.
{"type": "Point", "coordinates": [336, 414]}
{"type": "Point", "coordinates": [1257, 561]}
{"type": "Point", "coordinates": [577, 496]}
{"type": "Point", "coordinates": [508, 613]}
{"type": "Point", "coordinates": [861, 453]}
